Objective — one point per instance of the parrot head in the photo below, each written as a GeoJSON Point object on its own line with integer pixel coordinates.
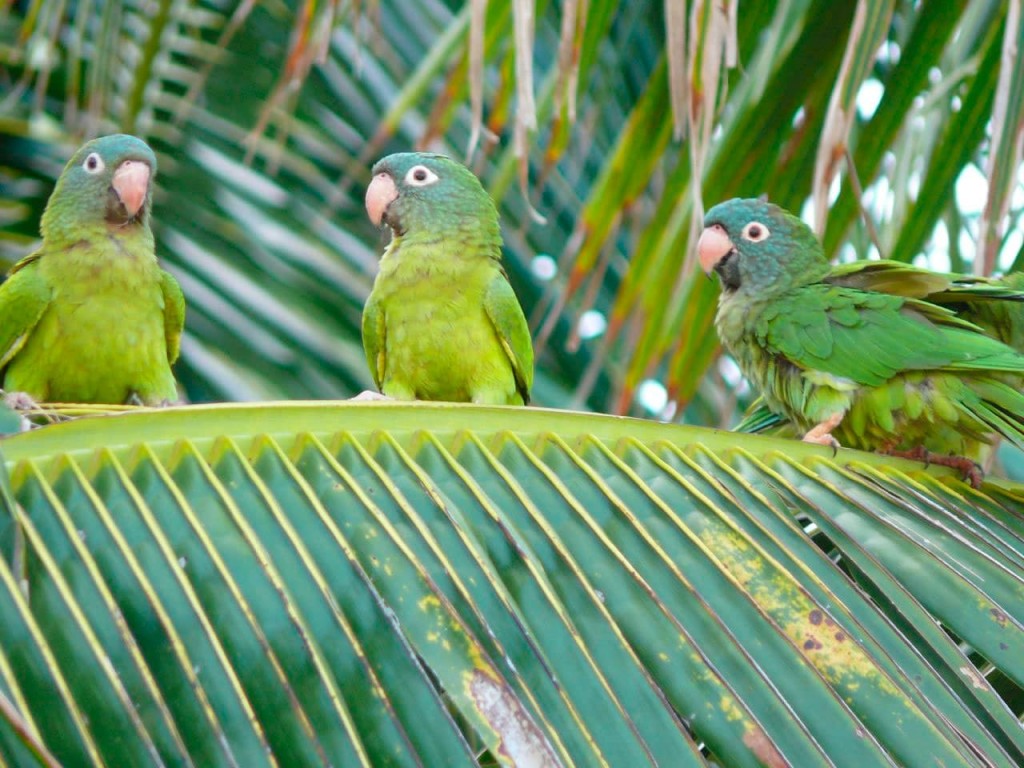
{"type": "Point", "coordinates": [759, 247]}
{"type": "Point", "coordinates": [108, 179]}
{"type": "Point", "coordinates": [422, 192]}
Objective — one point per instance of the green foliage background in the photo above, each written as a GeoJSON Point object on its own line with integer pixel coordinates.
{"type": "Point", "coordinates": [267, 116]}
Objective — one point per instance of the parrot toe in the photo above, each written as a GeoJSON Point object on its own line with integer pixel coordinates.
{"type": "Point", "coordinates": [971, 470]}
{"type": "Point", "coordinates": [20, 401]}
{"type": "Point", "coordinates": [821, 434]}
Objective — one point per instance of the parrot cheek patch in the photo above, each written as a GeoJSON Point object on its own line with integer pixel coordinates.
{"type": "Point", "coordinates": [728, 270]}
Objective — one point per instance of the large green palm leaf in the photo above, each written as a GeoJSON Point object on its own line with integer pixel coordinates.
{"type": "Point", "coordinates": [437, 585]}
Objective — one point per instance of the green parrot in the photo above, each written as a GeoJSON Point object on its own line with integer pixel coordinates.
{"type": "Point", "coordinates": [995, 305]}
{"type": "Point", "coordinates": [90, 317]}
{"type": "Point", "coordinates": [442, 321]}
{"type": "Point", "coordinates": [848, 361]}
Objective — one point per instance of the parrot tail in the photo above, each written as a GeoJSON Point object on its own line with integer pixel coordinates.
{"type": "Point", "coordinates": [758, 418]}
{"type": "Point", "coordinates": [1000, 407]}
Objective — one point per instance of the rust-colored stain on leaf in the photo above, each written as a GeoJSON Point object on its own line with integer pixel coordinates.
{"type": "Point", "coordinates": [831, 649]}
{"type": "Point", "coordinates": [826, 644]}
{"type": "Point", "coordinates": [522, 743]}
{"type": "Point", "coordinates": [759, 743]}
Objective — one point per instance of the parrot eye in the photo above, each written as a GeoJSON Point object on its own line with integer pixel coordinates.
{"type": "Point", "coordinates": [420, 176]}
{"type": "Point", "coordinates": [755, 232]}
{"type": "Point", "coordinates": [93, 163]}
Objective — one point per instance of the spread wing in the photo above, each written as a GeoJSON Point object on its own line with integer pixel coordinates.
{"type": "Point", "coordinates": [899, 279]}
{"type": "Point", "coordinates": [869, 337]}
{"type": "Point", "coordinates": [894, 277]}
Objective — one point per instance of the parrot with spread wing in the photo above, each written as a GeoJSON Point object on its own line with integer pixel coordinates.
{"type": "Point", "coordinates": [855, 361]}
{"type": "Point", "coordinates": [995, 305]}
{"type": "Point", "coordinates": [442, 321]}
{"type": "Point", "coordinates": [90, 317]}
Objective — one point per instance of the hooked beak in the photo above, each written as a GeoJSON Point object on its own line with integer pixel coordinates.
{"type": "Point", "coordinates": [379, 195]}
{"type": "Point", "coordinates": [713, 246]}
{"type": "Point", "coordinates": [131, 183]}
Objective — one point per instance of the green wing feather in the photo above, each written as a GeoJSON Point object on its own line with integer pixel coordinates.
{"type": "Point", "coordinates": [892, 277]}
{"type": "Point", "coordinates": [24, 297]}
{"type": "Point", "coordinates": [373, 340]}
{"type": "Point", "coordinates": [174, 314]}
{"type": "Point", "coordinates": [1002, 319]}
{"type": "Point", "coordinates": [759, 418]}
{"type": "Point", "coordinates": [507, 317]}
{"type": "Point", "coordinates": [996, 306]}
{"type": "Point", "coordinates": [964, 293]}
{"type": "Point", "coordinates": [870, 337]}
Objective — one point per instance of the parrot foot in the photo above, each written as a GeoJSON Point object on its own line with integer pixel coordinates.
{"type": "Point", "coordinates": [20, 401]}
{"type": "Point", "coordinates": [821, 434]}
{"type": "Point", "coordinates": [368, 395]}
{"type": "Point", "coordinates": [134, 399]}
{"type": "Point", "coordinates": [970, 470]}
{"type": "Point", "coordinates": [25, 406]}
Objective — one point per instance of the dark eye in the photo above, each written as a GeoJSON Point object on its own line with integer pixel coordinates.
{"type": "Point", "coordinates": [420, 176]}
{"type": "Point", "coordinates": [93, 163]}
{"type": "Point", "coordinates": [755, 232]}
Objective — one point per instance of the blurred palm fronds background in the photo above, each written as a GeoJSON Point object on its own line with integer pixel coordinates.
{"type": "Point", "coordinates": [895, 127]}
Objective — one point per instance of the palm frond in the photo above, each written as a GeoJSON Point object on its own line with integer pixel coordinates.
{"type": "Point", "coordinates": [297, 584]}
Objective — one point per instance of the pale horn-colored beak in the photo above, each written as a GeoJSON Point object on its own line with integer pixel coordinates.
{"type": "Point", "coordinates": [712, 247]}
{"type": "Point", "coordinates": [379, 195]}
{"type": "Point", "coordinates": [131, 182]}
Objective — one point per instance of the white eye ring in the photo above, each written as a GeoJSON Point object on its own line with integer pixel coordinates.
{"type": "Point", "coordinates": [93, 163]}
{"type": "Point", "coordinates": [755, 232]}
{"type": "Point", "coordinates": [420, 176]}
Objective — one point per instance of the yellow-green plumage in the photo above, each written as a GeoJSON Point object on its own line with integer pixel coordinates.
{"type": "Point", "coordinates": [442, 321]}
{"type": "Point", "coordinates": [90, 317]}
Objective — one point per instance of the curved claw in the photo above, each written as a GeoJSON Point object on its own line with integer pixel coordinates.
{"type": "Point", "coordinates": [821, 434]}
